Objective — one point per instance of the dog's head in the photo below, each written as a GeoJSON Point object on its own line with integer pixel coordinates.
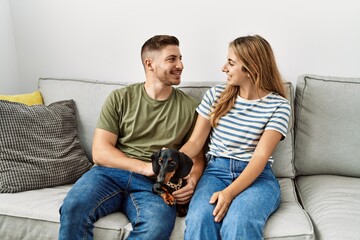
{"type": "Point", "coordinates": [168, 163]}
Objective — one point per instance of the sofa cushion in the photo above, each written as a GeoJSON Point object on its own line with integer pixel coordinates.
{"type": "Point", "coordinates": [28, 98]}
{"type": "Point", "coordinates": [327, 125]}
{"type": "Point", "coordinates": [39, 146]}
{"type": "Point", "coordinates": [89, 97]}
{"type": "Point", "coordinates": [283, 155]}
{"type": "Point", "coordinates": [39, 217]}
{"type": "Point", "coordinates": [333, 203]}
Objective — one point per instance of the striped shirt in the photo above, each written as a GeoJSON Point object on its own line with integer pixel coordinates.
{"type": "Point", "coordinates": [238, 132]}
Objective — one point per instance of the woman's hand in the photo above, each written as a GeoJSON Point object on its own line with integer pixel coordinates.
{"type": "Point", "coordinates": [223, 199]}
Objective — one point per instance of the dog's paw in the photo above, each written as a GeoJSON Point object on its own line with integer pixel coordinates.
{"type": "Point", "coordinates": [168, 198]}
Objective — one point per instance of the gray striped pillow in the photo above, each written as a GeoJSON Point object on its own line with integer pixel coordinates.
{"type": "Point", "coordinates": [39, 146]}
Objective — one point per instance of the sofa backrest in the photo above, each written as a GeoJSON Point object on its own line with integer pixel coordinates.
{"type": "Point", "coordinates": [284, 153]}
{"type": "Point", "coordinates": [90, 95]}
{"type": "Point", "coordinates": [327, 126]}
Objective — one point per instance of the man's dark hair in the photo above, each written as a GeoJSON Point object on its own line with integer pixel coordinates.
{"type": "Point", "coordinates": [158, 42]}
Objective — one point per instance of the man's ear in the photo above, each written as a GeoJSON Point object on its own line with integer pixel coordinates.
{"type": "Point", "coordinates": [148, 64]}
{"type": "Point", "coordinates": [154, 160]}
{"type": "Point", "coordinates": [185, 165]}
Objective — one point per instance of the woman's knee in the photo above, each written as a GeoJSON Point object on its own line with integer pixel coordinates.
{"type": "Point", "coordinates": [245, 227]}
{"type": "Point", "coordinates": [199, 213]}
{"type": "Point", "coordinates": [200, 218]}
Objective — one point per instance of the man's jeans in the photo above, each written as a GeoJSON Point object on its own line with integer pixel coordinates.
{"type": "Point", "coordinates": [248, 212]}
{"type": "Point", "coordinates": [102, 191]}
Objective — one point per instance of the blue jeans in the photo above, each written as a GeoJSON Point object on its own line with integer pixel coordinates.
{"type": "Point", "coordinates": [102, 191]}
{"type": "Point", "coordinates": [248, 212]}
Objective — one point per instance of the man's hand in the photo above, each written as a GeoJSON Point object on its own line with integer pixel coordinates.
{"type": "Point", "coordinates": [147, 170]}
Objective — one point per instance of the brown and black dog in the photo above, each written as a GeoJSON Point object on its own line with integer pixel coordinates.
{"type": "Point", "coordinates": [170, 167]}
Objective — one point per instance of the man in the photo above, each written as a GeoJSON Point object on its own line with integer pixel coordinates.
{"type": "Point", "coordinates": [135, 121]}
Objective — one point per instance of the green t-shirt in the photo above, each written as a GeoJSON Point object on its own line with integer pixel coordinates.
{"type": "Point", "coordinates": [145, 125]}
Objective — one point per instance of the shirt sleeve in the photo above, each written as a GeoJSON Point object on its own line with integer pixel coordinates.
{"type": "Point", "coordinates": [205, 106]}
{"type": "Point", "coordinates": [280, 119]}
{"type": "Point", "coordinates": [110, 114]}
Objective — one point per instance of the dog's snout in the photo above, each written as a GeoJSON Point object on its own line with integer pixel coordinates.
{"type": "Point", "coordinates": [160, 179]}
{"type": "Point", "coordinates": [157, 187]}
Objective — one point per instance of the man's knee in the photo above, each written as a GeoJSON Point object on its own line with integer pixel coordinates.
{"type": "Point", "coordinates": [152, 229]}
{"type": "Point", "coordinates": [74, 208]}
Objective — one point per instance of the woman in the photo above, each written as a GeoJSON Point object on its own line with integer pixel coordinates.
{"type": "Point", "coordinates": [246, 118]}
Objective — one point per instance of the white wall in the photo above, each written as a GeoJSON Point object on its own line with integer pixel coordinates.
{"type": "Point", "coordinates": [101, 39]}
{"type": "Point", "coordinates": [8, 62]}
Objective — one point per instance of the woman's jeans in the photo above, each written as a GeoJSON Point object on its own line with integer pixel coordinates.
{"type": "Point", "coordinates": [248, 212]}
{"type": "Point", "coordinates": [102, 191]}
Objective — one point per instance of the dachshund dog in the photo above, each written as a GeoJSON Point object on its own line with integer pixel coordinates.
{"type": "Point", "coordinates": [170, 167]}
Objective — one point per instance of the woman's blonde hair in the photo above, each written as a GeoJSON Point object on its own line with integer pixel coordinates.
{"type": "Point", "coordinates": [259, 62]}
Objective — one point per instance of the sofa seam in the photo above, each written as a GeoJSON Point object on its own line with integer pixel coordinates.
{"type": "Point", "coordinates": [300, 202]}
{"type": "Point", "coordinates": [298, 112]}
{"type": "Point", "coordinates": [93, 81]}
{"type": "Point", "coordinates": [332, 79]}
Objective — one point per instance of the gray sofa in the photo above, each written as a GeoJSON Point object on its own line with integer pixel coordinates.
{"type": "Point", "coordinates": [318, 164]}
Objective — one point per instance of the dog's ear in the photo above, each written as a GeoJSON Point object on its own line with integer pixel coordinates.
{"type": "Point", "coordinates": [185, 165]}
{"type": "Point", "coordinates": [155, 164]}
